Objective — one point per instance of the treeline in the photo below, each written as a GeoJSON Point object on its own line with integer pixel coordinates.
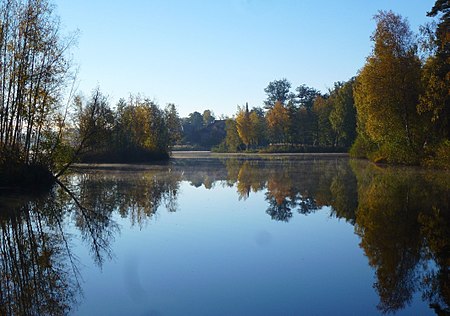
{"type": "Point", "coordinates": [304, 120]}
{"type": "Point", "coordinates": [201, 131]}
{"type": "Point", "coordinates": [42, 131]}
{"type": "Point", "coordinates": [137, 130]}
{"type": "Point", "coordinates": [396, 110]}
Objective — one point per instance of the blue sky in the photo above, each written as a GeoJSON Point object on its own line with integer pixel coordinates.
{"type": "Point", "coordinates": [221, 53]}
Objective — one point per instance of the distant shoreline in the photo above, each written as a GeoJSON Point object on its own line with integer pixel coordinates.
{"type": "Point", "coordinates": [205, 154]}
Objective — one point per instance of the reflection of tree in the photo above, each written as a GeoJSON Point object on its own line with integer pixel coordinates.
{"type": "Point", "coordinates": [248, 180]}
{"type": "Point", "coordinates": [136, 195]}
{"type": "Point", "coordinates": [436, 230]}
{"type": "Point", "coordinates": [291, 185]}
{"type": "Point", "coordinates": [38, 273]}
{"type": "Point", "coordinates": [279, 211]}
{"type": "Point", "coordinates": [344, 194]}
{"type": "Point", "coordinates": [403, 220]}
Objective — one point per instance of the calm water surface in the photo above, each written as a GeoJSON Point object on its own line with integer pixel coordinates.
{"type": "Point", "coordinates": [201, 235]}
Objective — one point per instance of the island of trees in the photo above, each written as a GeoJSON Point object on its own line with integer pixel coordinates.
{"type": "Point", "coordinates": [395, 110]}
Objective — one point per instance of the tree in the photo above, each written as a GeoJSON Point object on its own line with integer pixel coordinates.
{"type": "Point", "coordinates": [173, 123]}
{"type": "Point", "coordinates": [435, 100]}
{"type": "Point", "coordinates": [387, 90]}
{"type": "Point", "coordinates": [34, 70]}
{"type": "Point", "coordinates": [277, 91]}
{"type": "Point", "coordinates": [277, 123]}
{"type": "Point", "coordinates": [343, 114]}
{"type": "Point", "coordinates": [243, 125]}
{"type": "Point", "coordinates": [208, 117]}
{"type": "Point", "coordinates": [257, 127]}
{"type": "Point", "coordinates": [303, 119]}
{"type": "Point", "coordinates": [232, 139]}
{"type": "Point", "coordinates": [322, 108]}
{"type": "Point", "coordinates": [191, 127]}
{"type": "Point", "coordinates": [305, 96]}
{"type": "Point", "coordinates": [94, 123]}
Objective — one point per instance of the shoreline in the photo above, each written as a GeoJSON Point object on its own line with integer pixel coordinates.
{"type": "Point", "coordinates": [205, 154]}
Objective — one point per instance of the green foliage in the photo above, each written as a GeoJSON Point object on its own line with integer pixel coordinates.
{"type": "Point", "coordinates": [232, 140]}
{"type": "Point", "coordinates": [387, 91]}
{"type": "Point", "coordinates": [343, 114]}
{"type": "Point", "coordinates": [323, 108]}
{"type": "Point", "coordinates": [258, 127]}
{"type": "Point", "coordinates": [305, 96]}
{"type": "Point", "coordinates": [201, 131]}
{"type": "Point", "coordinates": [362, 147]}
{"type": "Point", "coordinates": [138, 132]}
{"type": "Point", "coordinates": [395, 153]}
{"type": "Point", "coordinates": [173, 123]}
{"type": "Point", "coordinates": [440, 156]}
{"type": "Point", "coordinates": [301, 123]}
{"type": "Point", "coordinates": [277, 91]}
{"type": "Point", "coordinates": [434, 103]}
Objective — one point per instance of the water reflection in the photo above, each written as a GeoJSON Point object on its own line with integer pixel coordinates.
{"type": "Point", "coordinates": [38, 272]}
{"type": "Point", "coordinates": [401, 215]}
{"type": "Point", "coordinates": [403, 218]}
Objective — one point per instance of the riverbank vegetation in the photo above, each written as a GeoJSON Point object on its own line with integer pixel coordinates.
{"type": "Point", "coordinates": [34, 70]}
{"type": "Point", "coordinates": [395, 110]}
{"type": "Point", "coordinates": [43, 127]}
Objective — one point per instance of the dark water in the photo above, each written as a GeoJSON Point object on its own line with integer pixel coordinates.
{"type": "Point", "coordinates": [301, 235]}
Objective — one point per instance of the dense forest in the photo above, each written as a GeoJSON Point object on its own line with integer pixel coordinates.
{"type": "Point", "coordinates": [395, 110]}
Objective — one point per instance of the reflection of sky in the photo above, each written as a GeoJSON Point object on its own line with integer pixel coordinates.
{"type": "Point", "coordinates": [218, 255]}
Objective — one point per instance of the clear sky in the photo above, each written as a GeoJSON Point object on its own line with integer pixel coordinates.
{"type": "Point", "coordinates": [218, 54]}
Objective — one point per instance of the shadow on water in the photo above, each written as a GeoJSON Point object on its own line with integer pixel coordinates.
{"type": "Point", "coordinates": [402, 216]}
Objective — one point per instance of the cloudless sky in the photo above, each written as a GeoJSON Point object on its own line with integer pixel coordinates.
{"type": "Point", "coordinates": [218, 54]}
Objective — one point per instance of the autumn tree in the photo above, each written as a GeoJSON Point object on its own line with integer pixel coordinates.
{"type": "Point", "coordinates": [434, 102]}
{"type": "Point", "coordinates": [277, 123]}
{"type": "Point", "coordinates": [208, 117]}
{"type": "Point", "coordinates": [34, 70]}
{"type": "Point", "coordinates": [232, 139]}
{"type": "Point", "coordinates": [387, 91]}
{"type": "Point", "coordinates": [257, 127]}
{"type": "Point", "coordinates": [243, 125]}
{"type": "Point", "coordinates": [138, 131]}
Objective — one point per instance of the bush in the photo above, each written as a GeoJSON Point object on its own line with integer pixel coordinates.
{"type": "Point", "coordinates": [361, 148]}
{"type": "Point", "coordinates": [440, 156]}
{"type": "Point", "coordinates": [221, 148]}
{"type": "Point", "coordinates": [395, 153]}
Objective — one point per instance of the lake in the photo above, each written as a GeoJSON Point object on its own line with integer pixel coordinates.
{"type": "Point", "coordinates": [209, 234]}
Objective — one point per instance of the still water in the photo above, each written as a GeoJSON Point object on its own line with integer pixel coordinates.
{"type": "Point", "coordinates": [230, 235]}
